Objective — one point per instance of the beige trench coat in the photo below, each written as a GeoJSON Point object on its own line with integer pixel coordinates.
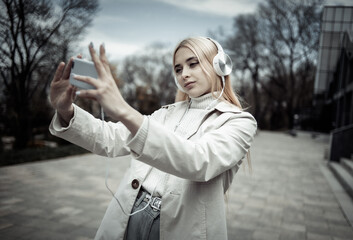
{"type": "Point", "coordinates": [200, 166]}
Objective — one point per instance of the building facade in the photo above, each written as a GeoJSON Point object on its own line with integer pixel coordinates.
{"type": "Point", "coordinates": [334, 77]}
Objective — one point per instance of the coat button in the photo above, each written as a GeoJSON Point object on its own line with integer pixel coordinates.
{"type": "Point", "coordinates": [135, 184]}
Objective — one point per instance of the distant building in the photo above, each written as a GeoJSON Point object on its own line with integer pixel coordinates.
{"type": "Point", "coordinates": [334, 78]}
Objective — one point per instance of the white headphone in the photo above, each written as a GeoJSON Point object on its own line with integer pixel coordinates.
{"type": "Point", "coordinates": [222, 64]}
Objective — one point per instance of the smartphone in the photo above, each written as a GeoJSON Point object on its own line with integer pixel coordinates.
{"type": "Point", "coordinates": [83, 68]}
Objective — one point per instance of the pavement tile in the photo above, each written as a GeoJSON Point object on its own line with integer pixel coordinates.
{"type": "Point", "coordinates": [40, 224]}
{"type": "Point", "coordinates": [11, 209]}
{"type": "Point", "coordinates": [237, 233]}
{"type": "Point", "coordinates": [94, 223]}
{"type": "Point", "coordinates": [82, 238]}
{"type": "Point", "coordinates": [318, 230]}
{"type": "Point", "coordinates": [33, 212]}
{"type": "Point", "coordinates": [44, 234]}
{"type": "Point", "coordinates": [291, 235]}
{"type": "Point", "coordinates": [322, 224]}
{"type": "Point", "coordinates": [75, 220]}
{"type": "Point", "coordinates": [316, 236]}
{"type": "Point", "coordinates": [315, 217]}
{"type": "Point", "coordinates": [249, 211]}
{"type": "Point", "coordinates": [290, 215]}
{"type": "Point", "coordinates": [16, 232]}
{"type": "Point", "coordinates": [260, 234]}
{"type": "Point", "coordinates": [83, 232]}
{"type": "Point", "coordinates": [339, 222]}
{"type": "Point", "coordinates": [246, 223]}
{"type": "Point", "coordinates": [294, 227]}
{"type": "Point", "coordinates": [11, 200]}
{"type": "Point", "coordinates": [70, 211]}
{"type": "Point", "coordinates": [4, 225]}
{"type": "Point", "coordinates": [342, 231]}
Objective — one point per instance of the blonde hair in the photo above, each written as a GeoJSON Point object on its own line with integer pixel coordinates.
{"type": "Point", "coordinates": [205, 50]}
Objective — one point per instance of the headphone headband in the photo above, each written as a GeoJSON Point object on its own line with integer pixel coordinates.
{"type": "Point", "coordinates": [219, 47]}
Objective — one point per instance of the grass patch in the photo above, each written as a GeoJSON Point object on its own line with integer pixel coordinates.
{"type": "Point", "coordinates": [37, 154]}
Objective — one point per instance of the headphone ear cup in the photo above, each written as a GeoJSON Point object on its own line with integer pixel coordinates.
{"type": "Point", "coordinates": [222, 64]}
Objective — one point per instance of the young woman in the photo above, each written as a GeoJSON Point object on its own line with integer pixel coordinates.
{"type": "Point", "coordinates": [183, 156]}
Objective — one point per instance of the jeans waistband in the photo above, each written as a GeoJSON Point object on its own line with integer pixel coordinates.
{"type": "Point", "coordinates": [154, 201]}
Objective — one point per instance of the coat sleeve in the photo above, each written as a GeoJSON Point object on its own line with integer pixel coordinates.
{"type": "Point", "coordinates": [198, 160]}
{"type": "Point", "coordinates": [100, 137]}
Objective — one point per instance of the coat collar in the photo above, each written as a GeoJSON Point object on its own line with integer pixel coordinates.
{"type": "Point", "coordinates": [220, 107]}
{"type": "Point", "coordinates": [224, 106]}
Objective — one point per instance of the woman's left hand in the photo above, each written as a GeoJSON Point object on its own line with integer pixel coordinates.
{"type": "Point", "coordinates": [107, 92]}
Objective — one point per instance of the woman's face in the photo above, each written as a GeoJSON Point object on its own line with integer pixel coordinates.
{"type": "Point", "coordinates": [189, 73]}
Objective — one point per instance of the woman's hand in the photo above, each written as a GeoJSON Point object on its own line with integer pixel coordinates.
{"type": "Point", "coordinates": [107, 93]}
{"type": "Point", "coordinates": [62, 93]}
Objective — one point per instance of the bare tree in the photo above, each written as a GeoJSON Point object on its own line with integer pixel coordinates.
{"type": "Point", "coordinates": [34, 37]}
{"type": "Point", "coordinates": [246, 48]}
{"type": "Point", "coordinates": [147, 78]}
{"type": "Point", "coordinates": [276, 47]}
{"type": "Point", "coordinates": [291, 35]}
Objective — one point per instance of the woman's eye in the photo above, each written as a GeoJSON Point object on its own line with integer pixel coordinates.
{"type": "Point", "coordinates": [178, 70]}
{"type": "Point", "coordinates": [193, 64]}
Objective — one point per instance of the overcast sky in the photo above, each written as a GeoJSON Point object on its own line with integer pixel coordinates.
{"type": "Point", "coordinates": [127, 26]}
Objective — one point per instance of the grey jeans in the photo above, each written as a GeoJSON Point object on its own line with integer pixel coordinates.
{"type": "Point", "coordinates": [143, 225]}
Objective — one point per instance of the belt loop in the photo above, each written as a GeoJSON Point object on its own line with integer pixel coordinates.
{"type": "Point", "coordinates": [155, 202]}
{"type": "Point", "coordinates": [143, 195]}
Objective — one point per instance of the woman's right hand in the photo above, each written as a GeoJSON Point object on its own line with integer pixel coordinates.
{"type": "Point", "coordinates": [62, 93]}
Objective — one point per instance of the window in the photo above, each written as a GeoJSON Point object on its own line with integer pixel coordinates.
{"type": "Point", "coordinates": [327, 27]}
{"type": "Point", "coordinates": [337, 27]}
{"type": "Point", "coordinates": [329, 14]}
{"type": "Point", "coordinates": [347, 15]}
{"type": "Point", "coordinates": [346, 26]}
{"type": "Point", "coordinates": [339, 14]}
{"type": "Point", "coordinates": [333, 59]}
{"type": "Point", "coordinates": [326, 39]}
{"type": "Point", "coordinates": [336, 39]}
{"type": "Point", "coordinates": [324, 59]}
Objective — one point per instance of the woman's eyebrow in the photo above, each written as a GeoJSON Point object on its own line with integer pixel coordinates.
{"type": "Point", "coordinates": [191, 58]}
{"type": "Point", "coordinates": [187, 60]}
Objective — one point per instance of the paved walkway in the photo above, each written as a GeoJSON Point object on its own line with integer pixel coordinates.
{"type": "Point", "coordinates": [286, 197]}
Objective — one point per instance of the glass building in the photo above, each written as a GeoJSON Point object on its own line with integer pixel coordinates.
{"type": "Point", "coordinates": [336, 21]}
{"type": "Point", "coordinates": [334, 78]}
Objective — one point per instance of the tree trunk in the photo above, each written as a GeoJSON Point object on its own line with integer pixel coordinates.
{"type": "Point", "coordinates": [22, 123]}
{"type": "Point", "coordinates": [255, 77]}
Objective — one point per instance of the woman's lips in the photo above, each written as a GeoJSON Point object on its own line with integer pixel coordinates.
{"type": "Point", "coordinates": [188, 84]}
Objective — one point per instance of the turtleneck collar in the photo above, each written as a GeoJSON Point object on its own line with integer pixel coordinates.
{"type": "Point", "coordinates": [202, 102]}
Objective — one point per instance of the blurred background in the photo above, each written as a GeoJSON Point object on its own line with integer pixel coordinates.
{"type": "Point", "coordinates": [292, 60]}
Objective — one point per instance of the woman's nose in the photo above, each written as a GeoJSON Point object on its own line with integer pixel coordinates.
{"type": "Point", "coordinates": [186, 73]}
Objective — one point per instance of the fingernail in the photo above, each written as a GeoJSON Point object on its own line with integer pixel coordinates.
{"type": "Point", "coordinates": [73, 75]}
{"type": "Point", "coordinates": [103, 45]}
{"type": "Point", "coordinates": [77, 92]}
{"type": "Point", "coordinates": [91, 44]}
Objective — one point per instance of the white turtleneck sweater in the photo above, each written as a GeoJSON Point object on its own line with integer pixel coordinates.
{"type": "Point", "coordinates": [156, 179]}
